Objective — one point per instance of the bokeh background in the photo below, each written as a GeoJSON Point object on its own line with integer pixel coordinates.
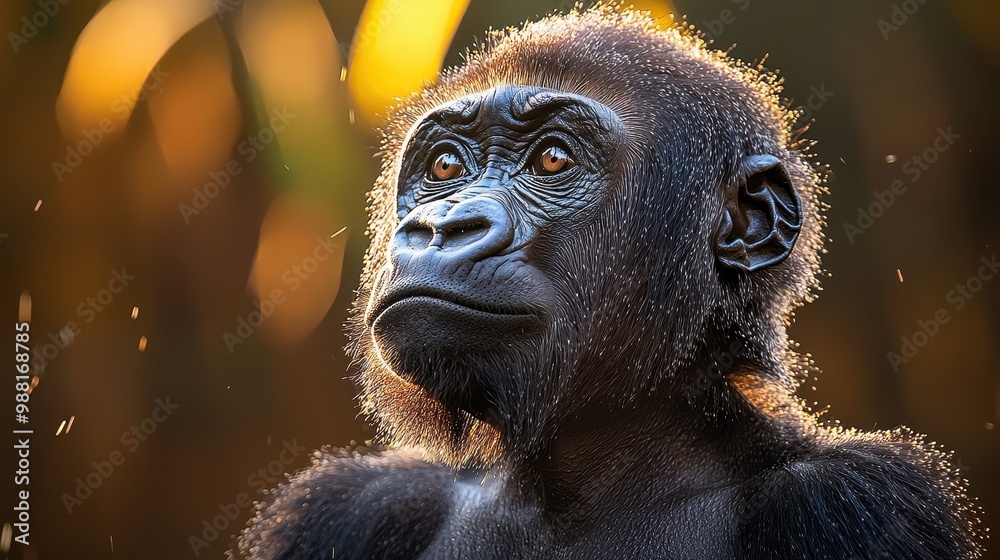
{"type": "Point", "coordinates": [171, 168]}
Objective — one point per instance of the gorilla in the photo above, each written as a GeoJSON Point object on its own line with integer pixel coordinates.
{"type": "Point", "coordinates": [587, 243]}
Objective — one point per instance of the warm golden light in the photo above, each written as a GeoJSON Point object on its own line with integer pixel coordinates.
{"type": "Point", "coordinates": [115, 54]}
{"type": "Point", "coordinates": [659, 10]}
{"type": "Point", "coordinates": [290, 50]}
{"type": "Point", "coordinates": [296, 272]}
{"type": "Point", "coordinates": [398, 46]}
{"type": "Point", "coordinates": [24, 307]}
{"type": "Point", "coordinates": [5, 538]}
{"type": "Point", "coordinates": [196, 115]}
{"type": "Point", "coordinates": [294, 61]}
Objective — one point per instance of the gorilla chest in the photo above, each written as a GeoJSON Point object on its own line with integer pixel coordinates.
{"type": "Point", "coordinates": [483, 525]}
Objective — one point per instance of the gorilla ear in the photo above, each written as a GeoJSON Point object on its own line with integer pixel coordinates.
{"type": "Point", "coordinates": [761, 216]}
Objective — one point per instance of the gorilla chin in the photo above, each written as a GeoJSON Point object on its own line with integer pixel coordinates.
{"type": "Point", "coordinates": [569, 231]}
{"type": "Point", "coordinates": [446, 344]}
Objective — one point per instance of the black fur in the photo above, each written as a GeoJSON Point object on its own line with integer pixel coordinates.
{"type": "Point", "coordinates": [640, 402]}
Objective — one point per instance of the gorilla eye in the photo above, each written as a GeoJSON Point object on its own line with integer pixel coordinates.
{"type": "Point", "coordinates": [553, 159]}
{"type": "Point", "coordinates": [446, 166]}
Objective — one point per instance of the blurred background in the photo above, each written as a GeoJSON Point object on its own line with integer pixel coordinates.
{"type": "Point", "coordinates": [183, 221]}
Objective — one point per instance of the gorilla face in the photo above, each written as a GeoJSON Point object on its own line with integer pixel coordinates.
{"type": "Point", "coordinates": [490, 187]}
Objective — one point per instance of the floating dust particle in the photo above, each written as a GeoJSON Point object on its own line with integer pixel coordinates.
{"type": "Point", "coordinates": [343, 73]}
{"type": "Point", "coordinates": [112, 542]}
{"type": "Point", "coordinates": [990, 425]}
{"type": "Point", "coordinates": [135, 312]}
{"type": "Point", "coordinates": [339, 231]}
{"type": "Point", "coordinates": [24, 307]}
{"type": "Point", "coordinates": [899, 275]}
{"type": "Point", "coordinates": [350, 115]}
{"type": "Point", "coordinates": [891, 158]}
{"type": "Point", "coordinates": [38, 205]}
{"type": "Point", "coordinates": [842, 161]}
{"type": "Point", "coordinates": [5, 538]}
{"type": "Point", "coordinates": [61, 426]}
{"type": "Point", "coordinates": [34, 383]}
{"type": "Point", "coordinates": [142, 344]}
{"type": "Point", "coordinates": [69, 426]}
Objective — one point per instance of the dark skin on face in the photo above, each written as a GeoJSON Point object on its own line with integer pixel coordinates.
{"type": "Point", "coordinates": [485, 180]}
{"type": "Point", "coordinates": [571, 329]}
{"type": "Point", "coordinates": [482, 179]}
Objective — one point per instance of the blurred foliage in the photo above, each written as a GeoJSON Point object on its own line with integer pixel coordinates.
{"type": "Point", "coordinates": [220, 152]}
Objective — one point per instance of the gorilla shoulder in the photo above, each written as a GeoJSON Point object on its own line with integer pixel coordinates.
{"type": "Point", "coordinates": [383, 505]}
{"type": "Point", "coordinates": [586, 243]}
{"type": "Point", "coordinates": [860, 495]}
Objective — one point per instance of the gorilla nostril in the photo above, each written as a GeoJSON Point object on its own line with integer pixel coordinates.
{"type": "Point", "coordinates": [418, 236]}
{"type": "Point", "coordinates": [472, 230]}
{"type": "Point", "coordinates": [465, 234]}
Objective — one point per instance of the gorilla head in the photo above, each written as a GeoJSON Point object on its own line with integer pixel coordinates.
{"type": "Point", "coordinates": [572, 222]}
{"type": "Point", "coordinates": [586, 245]}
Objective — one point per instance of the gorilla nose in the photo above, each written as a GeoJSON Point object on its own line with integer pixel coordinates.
{"type": "Point", "coordinates": [472, 229]}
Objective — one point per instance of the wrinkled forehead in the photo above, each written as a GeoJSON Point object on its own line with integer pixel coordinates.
{"type": "Point", "coordinates": [520, 109]}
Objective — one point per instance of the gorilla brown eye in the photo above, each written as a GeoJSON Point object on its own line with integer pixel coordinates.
{"type": "Point", "coordinates": [555, 339]}
{"type": "Point", "coordinates": [446, 166]}
{"type": "Point", "coordinates": [552, 160]}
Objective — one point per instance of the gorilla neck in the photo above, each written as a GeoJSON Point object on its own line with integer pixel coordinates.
{"type": "Point", "coordinates": [610, 456]}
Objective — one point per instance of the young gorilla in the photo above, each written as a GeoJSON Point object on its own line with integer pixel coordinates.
{"type": "Point", "coordinates": [569, 231]}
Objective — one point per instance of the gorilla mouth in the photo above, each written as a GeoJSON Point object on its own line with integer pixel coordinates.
{"type": "Point", "coordinates": [451, 300]}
